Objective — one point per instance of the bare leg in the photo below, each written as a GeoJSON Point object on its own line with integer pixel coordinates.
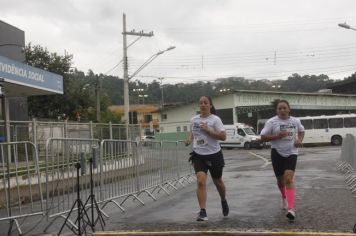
{"type": "Point", "coordinates": [281, 185]}
{"type": "Point", "coordinates": [201, 189]}
{"type": "Point", "coordinates": [220, 186]}
{"type": "Point", "coordinates": [289, 179]}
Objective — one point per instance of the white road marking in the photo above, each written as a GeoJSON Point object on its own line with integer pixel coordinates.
{"type": "Point", "coordinates": [267, 162]}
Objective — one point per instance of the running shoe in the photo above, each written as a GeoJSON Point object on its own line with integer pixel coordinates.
{"type": "Point", "coordinates": [291, 214]}
{"type": "Point", "coordinates": [284, 204]}
{"type": "Point", "coordinates": [225, 208]}
{"type": "Point", "coordinates": [202, 216]}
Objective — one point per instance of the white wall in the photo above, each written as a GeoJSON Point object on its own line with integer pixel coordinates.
{"type": "Point", "coordinates": [181, 116]}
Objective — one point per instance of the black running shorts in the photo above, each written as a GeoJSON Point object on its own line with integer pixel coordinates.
{"type": "Point", "coordinates": [281, 164]}
{"type": "Point", "coordinates": [214, 163]}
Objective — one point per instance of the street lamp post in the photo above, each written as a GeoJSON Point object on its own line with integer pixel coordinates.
{"type": "Point", "coordinates": [162, 99]}
{"type": "Point", "coordinates": [97, 93]}
{"type": "Point", "coordinates": [224, 90]}
{"type": "Point", "coordinates": [146, 63]}
{"type": "Point", "coordinates": [138, 94]}
{"type": "Point", "coordinates": [276, 86]}
{"type": "Point", "coordinates": [346, 26]}
{"type": "Point", "coordinates": [143, 96]}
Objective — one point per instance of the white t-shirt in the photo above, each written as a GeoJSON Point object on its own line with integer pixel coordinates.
{"type": "Point", "coordinates": [204, 144]}
{"type": "Point", "coordinates": [284, 146]}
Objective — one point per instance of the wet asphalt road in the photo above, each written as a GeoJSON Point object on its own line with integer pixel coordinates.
{"type": "Point", "coordinates": [323, 202]}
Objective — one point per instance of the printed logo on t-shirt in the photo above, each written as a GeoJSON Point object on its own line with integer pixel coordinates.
{"type": "Point", "coordinates": [290, 128]}
{"type": "Point", "coordinates": [196, 127]}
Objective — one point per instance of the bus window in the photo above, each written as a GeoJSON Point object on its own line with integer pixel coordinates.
{"type": "Point", "coordinates": [350, 122]}
{"type": "Point", "coordinates": [320, 124]}
{"type": "Point", "coordinates": [308, 124]}
{"type": "Point", "coordinates": [336, 123]}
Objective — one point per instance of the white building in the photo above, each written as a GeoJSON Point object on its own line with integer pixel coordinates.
{"type": "Point", "coordinates": [247, 106]}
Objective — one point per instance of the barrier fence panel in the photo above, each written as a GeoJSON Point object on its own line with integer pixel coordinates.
{"type": "Point", "coordinates": [129, 169]}
{"type": "Point", "coordinates": [347, 152]}
{"type": "Point", "coordinates": [347, 165]}
{"type": "Point", "coordinates": [124, 169]}
{"type": "Point", "coordinates": [39, 131]}
{"type": "Point", "coordinates": [184, 165]}
{"type": "Point", "coordinates": [118, 171]}
{"type": "Point", "coordinates": [169, 167]}
{"type": "Point", "coordinates": [351, 150]}
{"type": "Point", "coordinates": [62, 155]}
{"type": "Point", "coordinates": [21, 182]}
{"type": "Point", "coordinates": [149, 166]}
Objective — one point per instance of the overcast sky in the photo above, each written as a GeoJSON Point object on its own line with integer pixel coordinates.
{"type": "Point", "coordinates": [256, 39]}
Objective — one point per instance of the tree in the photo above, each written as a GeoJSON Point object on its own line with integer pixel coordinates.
{"type": "Point", "coordinates": [51, 106]}
{"type": "Point", "coordinates": [306, 83]}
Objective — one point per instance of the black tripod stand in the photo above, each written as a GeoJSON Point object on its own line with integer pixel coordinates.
{"type": "Point", "coordinates": [91, 199]}
{"type": "Point", "coordinates": [81, 211]}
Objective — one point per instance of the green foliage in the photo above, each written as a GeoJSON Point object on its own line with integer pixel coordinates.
{"type": "Point", "coordinates": [306, 83]}
{"type": "Point", "coordinates": [107, 116]}
{"type": "Point", "coordinates": [50, 106]}
{"type": "Point", "coordinates": [351, 77]}
{"type": "Point", "coordinates": [79, 99]}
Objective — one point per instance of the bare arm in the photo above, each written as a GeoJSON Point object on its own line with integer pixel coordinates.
{"type": "Point", "coordinates": [190, 138]}
{"type": "Point", "coordinates": [219, 135]}
{"type": "Point", "coordinates": [271, 137]}
{"type": "Point", "coordinates": [298, 142]}
{"type": "Point", "coordinates": [301, 136]}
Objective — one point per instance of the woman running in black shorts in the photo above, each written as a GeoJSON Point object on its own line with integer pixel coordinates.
{"type": "Point", "coordinates": [206, 131]}
{"type": "Point", "coordinates": [286, 134]}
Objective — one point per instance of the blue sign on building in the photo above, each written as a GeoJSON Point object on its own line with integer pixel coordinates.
{"type": "Point", "coordinates": [18, 73]}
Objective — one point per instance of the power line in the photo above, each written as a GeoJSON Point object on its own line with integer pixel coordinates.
{"type": "Point", "coordinates": [352, 67]}
{"type": "Point", "coordinates": [282, 59]}
{"type": "Point", "coordinates": [280, 23]}
{"type": "Point", "coordinates": [113, 68]}
{"type": "Point", "coordinates": [281, 53]}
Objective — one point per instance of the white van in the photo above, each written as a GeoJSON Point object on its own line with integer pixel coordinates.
{"type": "Point", "coordinates": [241, 135]}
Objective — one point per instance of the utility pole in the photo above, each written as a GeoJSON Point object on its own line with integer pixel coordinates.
{"type": "Point", "coordinates": [162, 101]}
{"type": "Point", "coordinates": [125, 65]}
{"type": "Point", "coordinates": [97, 90]}
{"type": "Point", "coordinates": [126, 73]}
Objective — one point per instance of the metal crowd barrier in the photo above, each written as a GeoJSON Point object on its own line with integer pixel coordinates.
{"type": "Point", "coordinates": [118, 165]}
{"type": "Point", "coordinates": [21, 183]}
{"type": "Point", "coordinates": [347, 164]}
{"type": "Point", "coordinates": [124, 170]}
{"type": "Point", "coordinates": [347, 161]}
{"type": "Point", "coordinates": [62, 154]}
{"type": "Point", "coordinates": [130, 169]}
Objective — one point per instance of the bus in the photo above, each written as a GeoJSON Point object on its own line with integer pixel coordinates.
{"type": "Point", "coordinates": [324, 129]}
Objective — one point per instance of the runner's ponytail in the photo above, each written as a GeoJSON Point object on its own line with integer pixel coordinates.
{"type": "Point", "coordinates": [212, 109]}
